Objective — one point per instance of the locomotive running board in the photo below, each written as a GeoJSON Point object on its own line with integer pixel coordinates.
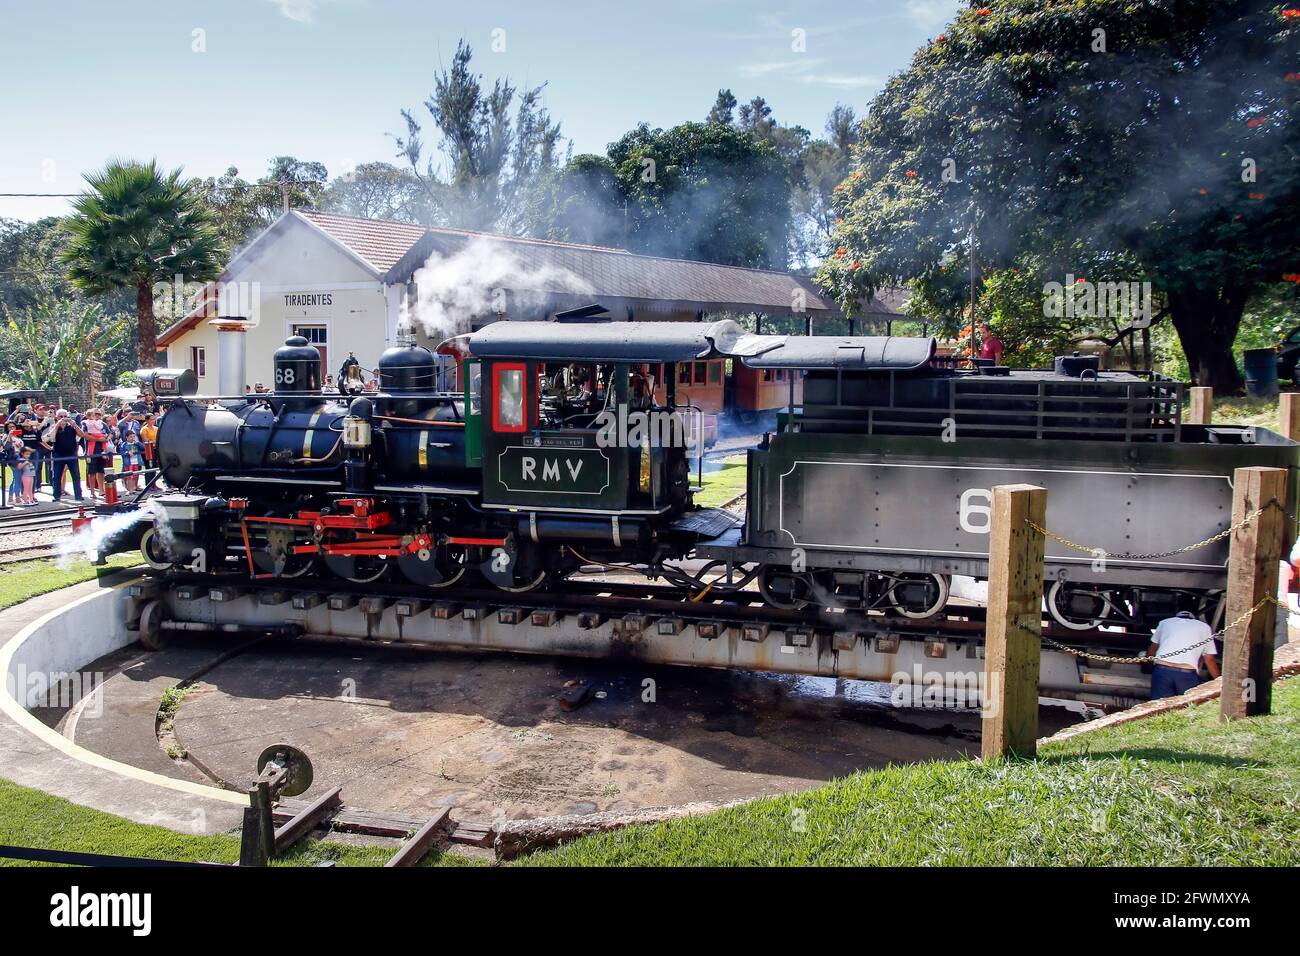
{"type": "Point", "coordinates": [950, 665]}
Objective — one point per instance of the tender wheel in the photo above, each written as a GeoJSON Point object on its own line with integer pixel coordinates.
{"type": "Point", "coordinates": [1219, 602]}
{"type": "Point", "coordinates": [359, 569]}
{"type": "Point", "coordinates": [1077, 608]}
{"type": "Point", "coordinates": [781, 589]}
{"type": "Point", "coordinates": [153, 552]}
{"type": "Point", "coordinates": [918, 596]}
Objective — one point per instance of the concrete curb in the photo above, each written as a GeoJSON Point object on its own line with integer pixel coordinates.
{"type": "Point", "coordinates": [60, 633]}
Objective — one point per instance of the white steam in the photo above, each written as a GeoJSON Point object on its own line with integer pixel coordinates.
{"type": "Point", "coordinates": [482, 279]}
{"type": "Point", "coordinates": [87, 542]}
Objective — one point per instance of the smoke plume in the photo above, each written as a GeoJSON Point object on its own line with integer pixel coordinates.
{"type": "Point", "coordinates": [484, 278]}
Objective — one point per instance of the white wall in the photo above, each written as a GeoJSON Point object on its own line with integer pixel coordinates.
{"type": "Point", "coordinates": [358, 311]}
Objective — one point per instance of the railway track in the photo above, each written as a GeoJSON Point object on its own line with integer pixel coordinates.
{"type": "Point", "coordinates": [15, 524]}
{"type": "Point", "coordinates": [611, 600]}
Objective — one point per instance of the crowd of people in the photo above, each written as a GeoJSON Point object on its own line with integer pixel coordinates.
{"type": "Point", "coordinates": [49, 446]}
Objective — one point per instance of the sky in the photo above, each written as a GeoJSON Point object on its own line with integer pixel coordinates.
{"type": "Point", "coordinates": [208, 84]}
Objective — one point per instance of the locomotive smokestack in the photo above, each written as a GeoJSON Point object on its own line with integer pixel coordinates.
{"type": "Point", "coordinates": [231, 371]}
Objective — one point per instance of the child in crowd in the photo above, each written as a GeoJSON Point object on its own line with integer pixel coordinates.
{"type": "Point", "coordinates": [132, 451]}
{"type": "Point", "coordinates": [148, 438]}
{"type": "Point", "coordinates": [13, 451]}
{"type": "Point", "coordinates": [27, 472]}
{"type": "Point", "coordinates": [97, 435]}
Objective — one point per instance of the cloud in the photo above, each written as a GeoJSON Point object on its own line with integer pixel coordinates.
{"type": "Point", "coordinates": [785, 67]}
{"type": "Point", "coordinates": [841, 80]}
{"type": "Point", "coordinates": [300, 11]}
{"type": "Point", "coordinates": [931, 13]}
{"type": "Point", "coordinates": [802, 71]}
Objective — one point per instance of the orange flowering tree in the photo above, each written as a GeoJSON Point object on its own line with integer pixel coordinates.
{"type": "Point", "coordinates": [1164, 133]}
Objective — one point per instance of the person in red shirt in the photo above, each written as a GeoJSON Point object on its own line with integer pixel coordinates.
{"type": "Point", "coordinates": [990, 344]}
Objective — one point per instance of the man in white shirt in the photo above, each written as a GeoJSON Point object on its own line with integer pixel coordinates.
{"type": "Point", "coordinates": [1180, 643]}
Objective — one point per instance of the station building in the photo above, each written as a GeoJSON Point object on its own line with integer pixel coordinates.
{"type": "Point", "coordinates": [343, 283]}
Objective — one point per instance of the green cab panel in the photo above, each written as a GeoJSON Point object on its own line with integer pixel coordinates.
{"type": "Point", "coordinates": [556, 469]}
{"type": "Point", "coordinates": [471, 376]}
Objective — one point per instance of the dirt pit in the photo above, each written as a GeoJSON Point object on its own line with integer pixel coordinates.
{"type": "Point", "coordinates": [405, 730]}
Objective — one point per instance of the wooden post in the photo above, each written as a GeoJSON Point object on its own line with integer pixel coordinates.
{"type": "Point", "coordinates": [1202, 409]}
{"type": "Point", "coordinates": [1015, 621]}
{"type": "Point", "coordinates": [1252, 577]}
{"type": "Point", "coordinates": [1288, 415]}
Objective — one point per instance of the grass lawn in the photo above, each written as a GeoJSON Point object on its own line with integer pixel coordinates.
{"type": "Point", "coordinates": [1245, 411]}
{"type": "Point", "coordinates": [27, 579]}
{"type": "Point", "coordinates": [1178, 789]}
{"type": "Point", "coordinates": [724, 484]}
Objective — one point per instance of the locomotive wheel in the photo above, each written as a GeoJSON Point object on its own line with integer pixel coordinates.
{"type": "Point", "coordinates": [295, 565]}
{"type": "Point", "coordinates": [152, 616]}
{"type": "Point", "coordinates": [780, 588]}
{"type": "Point", "coordinates": [153, 552]}
{"type": "Point", "coordinates": [1077, 608]}
{"type": "Point", "coordinates": [524, 584]}
{"type": "Point", "coordinates": [514, 571]}
{"type": "Point", "coordinates": [918, 596]}
{"type": "Point", "coordinates": [359, 569]}
{"type": "Point", "coordinates": [439, 567]}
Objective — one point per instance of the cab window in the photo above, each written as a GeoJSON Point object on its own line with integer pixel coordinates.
{"type": "Point", "coordinates": [715, 373]}
{"type": "Point", "coordinates": [509, 391]}
{"type": "Point", "coordinates": [684, 374]}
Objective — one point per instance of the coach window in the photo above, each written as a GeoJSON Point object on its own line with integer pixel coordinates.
{"type": "Point", "coordinates": [684, 374]}
{"type": "Point", "coordinates": [715, 373]}
{"type": "Point", "coordinates": [701, 372]}
{"type": "Point", "coordinates": [510, 387]}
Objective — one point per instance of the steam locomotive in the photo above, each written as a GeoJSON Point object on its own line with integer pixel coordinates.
{"type": "Point", "coordinates": [562, 453]}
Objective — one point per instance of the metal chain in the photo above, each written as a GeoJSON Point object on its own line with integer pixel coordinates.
{"type": "Point", "coordinates": [1272, 503]}
{"type": "Point", "coordinates": [1143, 659]}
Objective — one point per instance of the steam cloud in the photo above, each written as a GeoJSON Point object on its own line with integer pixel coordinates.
{"type": "Point", "coordinates": [475, 281]}
{"type": "Point", "coordinates": [87, 542]}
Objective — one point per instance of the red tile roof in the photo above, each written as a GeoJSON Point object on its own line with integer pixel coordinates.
{"type": "Point", "coordinates": [377, 241]}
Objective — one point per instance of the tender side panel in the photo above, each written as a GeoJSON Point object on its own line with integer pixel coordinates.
{"type": "Point", "coordinates": [923, 504]}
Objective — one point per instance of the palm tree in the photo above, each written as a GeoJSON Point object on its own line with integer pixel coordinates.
{"type": "Point", "coordinates": [137, 226]}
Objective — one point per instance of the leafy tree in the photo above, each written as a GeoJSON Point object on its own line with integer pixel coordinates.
{"type": "Point", "coordinates": [54, 343]}
{"type": "Point", "coordinates": [242, 209]}
{"type": "Point", "coordinates": [376, 191]}
{"type": "Point", "coordinates": [583, 202]}
{"type": "Point", "coordinates": [1164, 130]}
{"type": "Point", "coordinates": [696, 191]}
{"type": "Point", "coordinates": [490, 162]}
{"type": "Point", "coordinates": [134, 227]}
{"type": "Point", "coordinates": [723, 110]}
{"type": "Point", "coordinates": [29, 266]}
{"type": "Point", "coordinates": [821, 166]}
